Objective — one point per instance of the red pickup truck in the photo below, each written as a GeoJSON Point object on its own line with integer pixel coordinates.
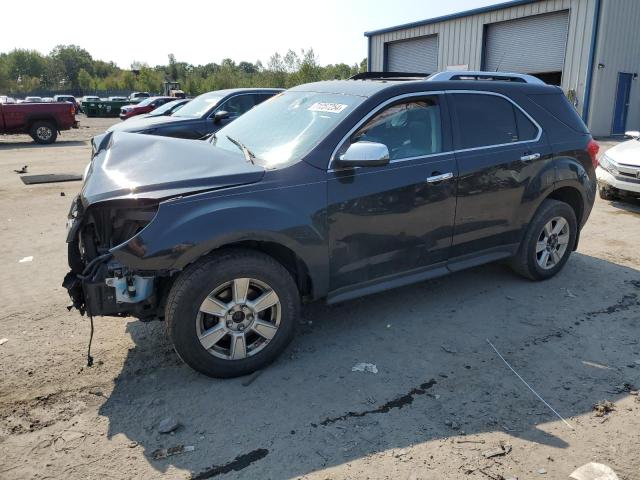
{"type": "Point", "coordinates": [42, 121]}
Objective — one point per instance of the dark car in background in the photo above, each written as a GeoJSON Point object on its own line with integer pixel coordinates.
{"type": "Point", "coordinates": [332, 190]}
{"type": "Point", "coordinates": [203, 115]}
{"type": "Point", "coordinates": [145, 106]}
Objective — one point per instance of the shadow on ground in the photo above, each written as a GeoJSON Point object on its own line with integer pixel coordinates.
{"type": "Point", "coordinates": [571, 337]}
{"type": "Point", "coordinates": [31, 144]}
{"type": "Point", "coordinates": [627, 205]}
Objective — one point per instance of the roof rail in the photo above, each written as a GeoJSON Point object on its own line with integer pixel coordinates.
{"type": "Point", "coordinates": [388, 76]}
{"type": "Point", "coordinates": [484, 76]}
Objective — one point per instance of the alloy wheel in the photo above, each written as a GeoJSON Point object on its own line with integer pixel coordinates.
{"type": "Point", "coordinates": [552, 243]}
{"type": "Point", "coordinates": [44, 133]}
{"type": "Point", "coordinates": [238, 319]}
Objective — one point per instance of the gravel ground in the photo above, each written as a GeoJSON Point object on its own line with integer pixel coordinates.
{"type": "Point", "coordinates": [441, 399]}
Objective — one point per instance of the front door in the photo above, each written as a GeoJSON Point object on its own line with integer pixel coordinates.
{"type": "Point", "coordinates": [621, 110]}
{"type": "Point", "coordinates": [391, 219]}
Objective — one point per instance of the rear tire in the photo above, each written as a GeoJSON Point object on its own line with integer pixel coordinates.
{"type": "Point", "coordinates": [222, 332]}
{"type": "Point", "coordinates": [43, 132]}
{"type": "Point", "coordinates": [548, 242]}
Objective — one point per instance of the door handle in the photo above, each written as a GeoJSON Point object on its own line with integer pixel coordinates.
{"type": "Point", "coordinates": [531, 156]}
{"type": "Point", "coordinates": [440, 177]}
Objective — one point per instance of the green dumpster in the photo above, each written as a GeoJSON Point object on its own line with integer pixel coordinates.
{"type": "Point", "coordinates": [104, 108]}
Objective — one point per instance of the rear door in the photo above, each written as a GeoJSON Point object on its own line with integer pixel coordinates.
{"type": "Point", "coordinates": [396, 218]}
{"type": "Point", "coordinates": [504, 163]}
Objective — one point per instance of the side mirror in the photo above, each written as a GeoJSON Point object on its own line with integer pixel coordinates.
{"type": "Point", "coordinates": [220, 115]}
{"type": "Point", "coordinates": [633, 134]}
{"type": "Point", "coordinates": [365, 154]}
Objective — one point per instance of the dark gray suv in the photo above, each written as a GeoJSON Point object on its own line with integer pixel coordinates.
{"type": "Point", "coordinates": [330, 190]}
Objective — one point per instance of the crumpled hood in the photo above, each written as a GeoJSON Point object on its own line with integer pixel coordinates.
{"type": "Point", "coordinates": [139, 124]}
{"type": "Point", "coordinates": [129, 165]}
{"type": "Point", "coordinates": [626, 153]}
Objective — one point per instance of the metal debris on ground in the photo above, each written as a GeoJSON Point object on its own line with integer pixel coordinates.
{"type": "Point", "coordinates": [604, 407]}
{"type": "Point", "coordinates": [497, 452]}
{"type": "Point", "coordinates": [50, 178]}
{"type": "Point", "coordinates": [364, 367]}
{"type": "Point", "coordinates": [26, 259]}
{"type": "Point", "coordinates": [22, 170]}
{"type": "Point", "coordinates": [542, 471]}
{"type": "Point", "coordinates": [594, 471]}
{"type": "Point", "coordinates": [161, 453]}
{"type": "Point", "coordinates": [3, 341]}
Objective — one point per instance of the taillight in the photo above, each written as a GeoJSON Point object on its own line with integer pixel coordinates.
{"type": "Point", "coordinates": [593, 148]}
{"type": "Point", "coordinates": [73, 110]}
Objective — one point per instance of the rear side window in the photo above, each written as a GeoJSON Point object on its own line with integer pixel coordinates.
{"type": "Point", "coordinates": [558, 105]}
{"type": "Point", "coordinates": [485, 120]}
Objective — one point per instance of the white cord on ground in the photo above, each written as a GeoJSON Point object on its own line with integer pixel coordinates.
{"type": "Point", "coordinates": [529, 386]}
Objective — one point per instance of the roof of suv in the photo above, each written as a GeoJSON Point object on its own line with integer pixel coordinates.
{"type": "Point", "coordinates": [368, 88]}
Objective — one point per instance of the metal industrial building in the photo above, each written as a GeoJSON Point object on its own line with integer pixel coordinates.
{"type": "Point", "coordinates": [591, 48]}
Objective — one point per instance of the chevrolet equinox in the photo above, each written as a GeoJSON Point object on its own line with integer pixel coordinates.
{"type": "Point", "coordinates": [329, 190]}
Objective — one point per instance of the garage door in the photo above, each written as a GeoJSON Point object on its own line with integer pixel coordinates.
{"type": "Point", "coordinates": [527, 45]}
{"type": "Point", "coordinates": [419, 55]}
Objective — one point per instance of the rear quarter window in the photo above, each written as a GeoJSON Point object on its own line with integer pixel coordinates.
{"type": "Point", "coordinates": [558, 105]}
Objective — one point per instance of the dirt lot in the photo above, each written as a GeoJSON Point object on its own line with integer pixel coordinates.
{"type": "Point", "coordinates": [441, 397]}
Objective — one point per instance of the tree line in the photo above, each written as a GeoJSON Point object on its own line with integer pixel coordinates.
{"type": "Point", "coordinates": [72, 68]}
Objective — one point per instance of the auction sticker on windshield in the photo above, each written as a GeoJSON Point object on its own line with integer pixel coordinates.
{"type": "Point", "coordinates": [327, 107]}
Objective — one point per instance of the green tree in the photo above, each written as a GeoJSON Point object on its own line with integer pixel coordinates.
{"type": "Point", "coordinates": [85, 80]}
{"type": "Point", "coordinates": [25, 63]}
{"type": "Point", "coordinates": [73, 59]}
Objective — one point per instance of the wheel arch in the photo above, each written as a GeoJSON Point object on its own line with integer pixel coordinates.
{"type": "Point", "coordinates": [42, 118]}
{"type": "Point", "coordinates": [284, 255]}
{"type": "Point", "coordinates": [572, 197]}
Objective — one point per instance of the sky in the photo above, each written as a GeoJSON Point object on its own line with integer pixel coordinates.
{"type": "Point", "coordinates": [200, 32]}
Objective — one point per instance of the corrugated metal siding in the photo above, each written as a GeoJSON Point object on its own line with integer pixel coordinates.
{"type": "Point", "coordinates": [418, 55]}
{"type": "Point", "coordinates": [618, 49]}
{"type": "Point", "coordinates": [461, 39]}
{"type": "Point", "coordinates": [533, 44]}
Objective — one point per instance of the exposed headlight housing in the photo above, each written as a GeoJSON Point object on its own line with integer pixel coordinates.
{"type": "Point", "coordinates": [608, 164]}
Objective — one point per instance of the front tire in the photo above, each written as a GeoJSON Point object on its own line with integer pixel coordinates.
{"type": "Point", "coordinates": [43, 132]}
{"type": "Point", "coordinates": [548, 242]}
{"type": "Point", "coordinates": [232, 313]}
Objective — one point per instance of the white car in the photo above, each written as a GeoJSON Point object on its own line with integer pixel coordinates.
{"type": "Point", "coordinates": [618, 170]}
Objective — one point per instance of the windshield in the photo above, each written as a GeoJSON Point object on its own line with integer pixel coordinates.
{"type": "Point", "coordinates": [167, 107]}
{"type": "Point", "coordinates": [200, 105]}
{"type": "Point", "coordinates": [285, 127]}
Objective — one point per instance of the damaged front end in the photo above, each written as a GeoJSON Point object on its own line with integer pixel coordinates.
{"type": "Point", "coordinates": [97, 283]}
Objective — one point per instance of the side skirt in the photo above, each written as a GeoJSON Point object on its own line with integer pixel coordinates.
{"type": "Point", "coordinates": [421, 274]}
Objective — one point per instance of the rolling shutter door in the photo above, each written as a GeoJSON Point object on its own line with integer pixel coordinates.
{"type": "Point", "coordinates": [419, 55]}
{"type": "Point", "coordinates": [528, 45]}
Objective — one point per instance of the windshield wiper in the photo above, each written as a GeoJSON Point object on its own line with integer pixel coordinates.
{"type": "Point", "coordinates": [248, 154]}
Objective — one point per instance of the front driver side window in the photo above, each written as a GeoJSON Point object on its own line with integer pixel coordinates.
{"type": "Point", "coordinates": [236, 106]}
{"type": "Point", "coordinates": [408, 129]}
